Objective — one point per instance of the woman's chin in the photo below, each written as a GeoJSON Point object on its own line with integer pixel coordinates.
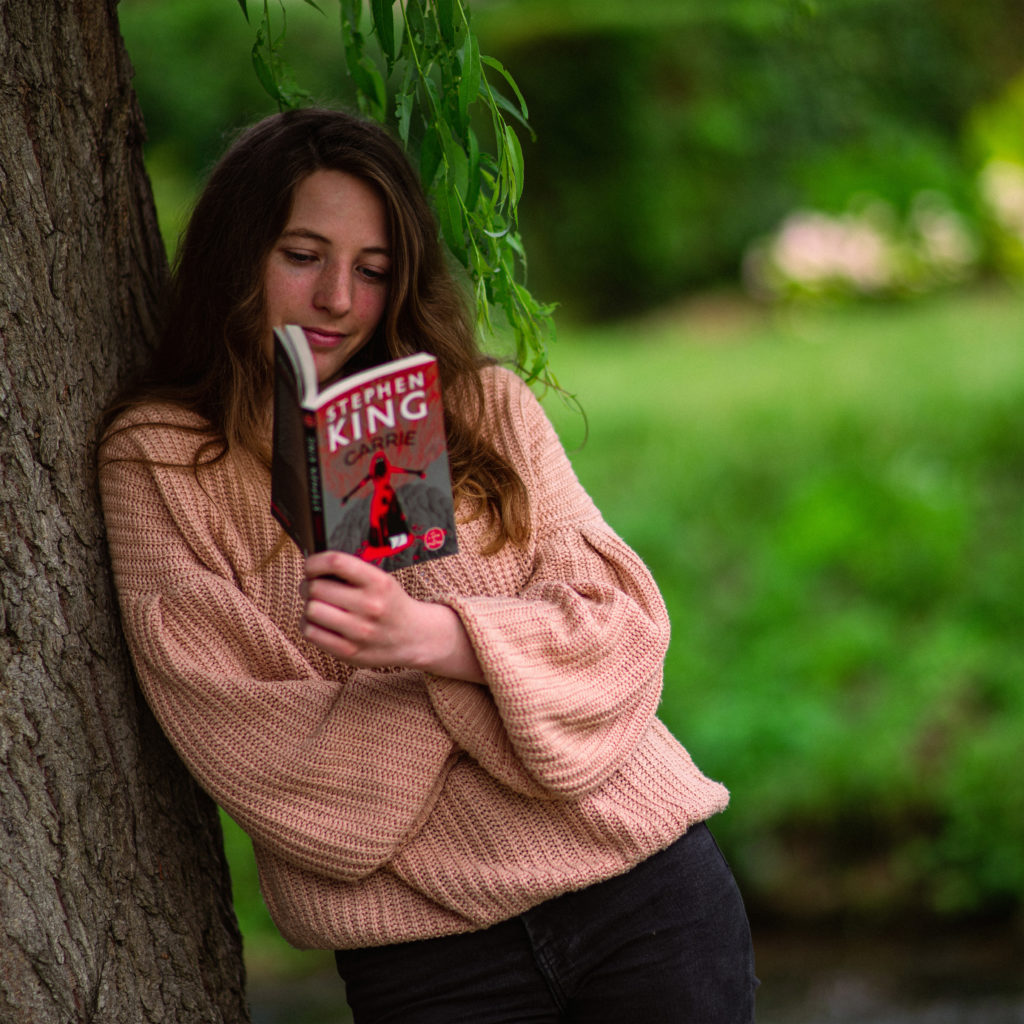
{"type": "Point", "coordinates": [330, 363]}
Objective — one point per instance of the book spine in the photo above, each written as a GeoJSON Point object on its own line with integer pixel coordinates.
{"type": "Point", "coordinates": [316, 491]}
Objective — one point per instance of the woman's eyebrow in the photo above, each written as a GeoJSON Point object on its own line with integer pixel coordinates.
{"type": "Point", "coordinates": [316, 237]}
{"type": "Point", "coordinates": [305, 233]}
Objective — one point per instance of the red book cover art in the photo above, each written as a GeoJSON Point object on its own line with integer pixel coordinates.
{"type": "Point", "coordinates": [384, 462]}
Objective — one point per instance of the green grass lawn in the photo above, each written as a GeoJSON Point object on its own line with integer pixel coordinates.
{"type": "Point", "coordinates": [833, 504]}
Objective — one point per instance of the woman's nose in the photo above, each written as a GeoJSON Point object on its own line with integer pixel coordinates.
{"type": "Point", "coordinates": [334, 291]}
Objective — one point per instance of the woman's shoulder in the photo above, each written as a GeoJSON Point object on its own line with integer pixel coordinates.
{"type": "Point", "coordinates": [159, 413]}
{"type": "Point", "coordinates": [515, 420]}
{"type": "Point", "coordinates": [506, 393]}
{"type": "Point", "coordinates": [159, 431]}
{"type": "Point", "coordinates": [497, 377]}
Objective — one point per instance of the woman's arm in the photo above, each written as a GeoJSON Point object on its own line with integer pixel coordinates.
{"type": "Point", "coordinates": [573, 655]}
{"type": "Point", "coordinates": [331, 773]}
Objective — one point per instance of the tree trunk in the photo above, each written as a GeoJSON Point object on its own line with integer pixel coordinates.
{"type": "Point", "coordinates": [114, 897]}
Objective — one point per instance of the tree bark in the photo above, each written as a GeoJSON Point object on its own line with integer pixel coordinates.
{"type": "Point", "coordinates": [114, 897]}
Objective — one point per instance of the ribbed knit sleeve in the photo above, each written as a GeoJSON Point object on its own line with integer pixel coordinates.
{"type": "Point", "coordinates": [331, 774]}
{"type": "Point", "coordinates": [572, 659]}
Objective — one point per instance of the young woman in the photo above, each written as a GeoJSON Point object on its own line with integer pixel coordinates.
{"type": "Point", "coordinates": [452, 775]}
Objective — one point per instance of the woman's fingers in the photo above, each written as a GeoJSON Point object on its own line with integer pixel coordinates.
{"type": "Point", "coordinates": [360, 614]}
{"type": "Point", "coordinates": [358, 604]}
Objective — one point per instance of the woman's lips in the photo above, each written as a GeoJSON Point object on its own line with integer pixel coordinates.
{"type": "Point", "coordinates": [323, 339]}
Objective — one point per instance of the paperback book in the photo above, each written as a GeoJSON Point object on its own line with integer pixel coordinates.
{"type": "Point", "coordinates": [362, 465]}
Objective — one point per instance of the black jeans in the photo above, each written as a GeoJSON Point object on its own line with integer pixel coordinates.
{"type": "Point", "coordinates": [666, 943]}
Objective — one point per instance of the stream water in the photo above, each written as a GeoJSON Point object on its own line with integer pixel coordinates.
{"type": "Point", "coordinates": [964, 977]}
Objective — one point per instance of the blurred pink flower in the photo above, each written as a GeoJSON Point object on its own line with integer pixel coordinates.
{"type": "Point", "coordinates": [815, 249]}
{"type": "Point", "coordinates": [1002, 187]}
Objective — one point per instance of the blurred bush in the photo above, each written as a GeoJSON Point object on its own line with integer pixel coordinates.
{"type": "Point", "coordinates": [871, 250]}
{"type": "Point", "coordinates": [663, 150]}
{"type": "Point", "coordinates": [670, 133]}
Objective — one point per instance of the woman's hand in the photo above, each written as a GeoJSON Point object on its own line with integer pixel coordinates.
{"type": "Point", "coordinates": [361, 615]}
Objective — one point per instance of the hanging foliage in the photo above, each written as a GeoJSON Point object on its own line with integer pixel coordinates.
{"type": "Point", "coordinates": [416, 66]}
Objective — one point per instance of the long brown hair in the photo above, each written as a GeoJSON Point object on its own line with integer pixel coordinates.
{"type": "Point", "coordinates": [210, 359]}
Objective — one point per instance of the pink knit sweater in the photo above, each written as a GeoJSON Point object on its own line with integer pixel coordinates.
{"type": "Point", "coordinates": [392, 805]}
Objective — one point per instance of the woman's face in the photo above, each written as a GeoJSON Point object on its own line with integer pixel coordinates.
{"type": "Point", "coordinates": [329, 270]}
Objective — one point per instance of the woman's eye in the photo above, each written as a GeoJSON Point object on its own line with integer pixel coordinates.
{"type": "Point", "coordinates": [298, 257]}
{"type": "Point", "coordinates": [374, 273]}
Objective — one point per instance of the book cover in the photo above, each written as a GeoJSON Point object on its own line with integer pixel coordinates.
{"type": "Point", "coordinates": [361, 466]}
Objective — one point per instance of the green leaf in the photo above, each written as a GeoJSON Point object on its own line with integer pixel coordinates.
{"type": "Point", "coordinates": [445, 10]}
{"type": "Point", "coordinates": [515, 243]}
{"type": "Point", "coordinates": [434, 95]}
{"type": "Point", "coordinates": [475, 174]}
{"type": "Point", "coordinates": [384, 23]}
{"type": "Point", "coordinates": [469, 80]}
{"type": "Point", "coordinates": [511, 108]}
{"type": "Point", "coordinates": [241, 3]}
{"type": "Point", "coordinates": [492, 62]}
{"type": "Point", "coordinates": [405, 103]}
{"type": "Point", "coordinates": [350, 35]}
{"type": "Point", "coordinates": [457, 163]}
{"type": "Point", "coordinates": [414, 18]}
{"type": "Point", "coordinates": [514, 154]}
{"type": "Point", "coordinates": [430, 157]}
{"type": "Point", "coordinates": [449, 213]}
{"type": "Point", "coordinates": [372, 84]}
{"type": "Point", "coordinates": [265, 73]}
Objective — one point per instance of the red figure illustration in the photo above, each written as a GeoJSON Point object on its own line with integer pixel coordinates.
{"type": "Point", "coordinates": [389, 531]}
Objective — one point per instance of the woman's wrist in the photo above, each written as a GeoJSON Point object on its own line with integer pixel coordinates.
{"type": "Point", "coordinates": [443, 645]}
